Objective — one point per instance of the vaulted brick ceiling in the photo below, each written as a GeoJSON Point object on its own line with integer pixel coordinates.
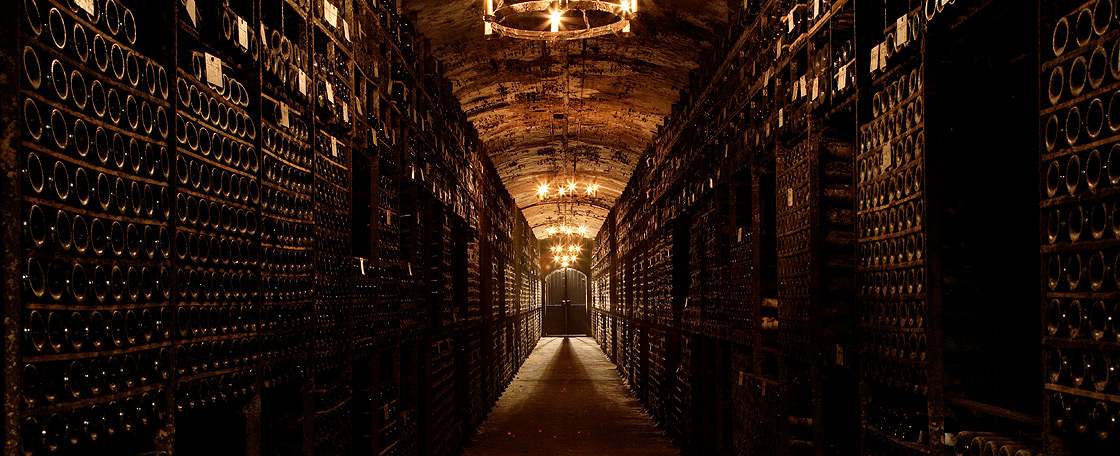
{"type": "Point", "coordinates": [598, 102]}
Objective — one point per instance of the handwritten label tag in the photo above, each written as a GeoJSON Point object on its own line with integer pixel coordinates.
{"type": "Point", "coordinates": [801, 84]}
{"type": "Point", "coordinates": [330, 92]}
{"type": "Point", "coordinates": [883, 56]}
{"type": "Point", "coordinates": [86, 5]}
{"type": "Point", "coordinates": [874, 59]}
{"type": "Point", "coordinates": [781, 118]}
{"type": "Point", "coordinates": [842, 83]}
{"type": "Point", "coordinates": [789, 197]}
{"type": "Point", "coordinates": [334, 147]}
{"type": "Point", "coordinates": [901, 31]}
{"type": "Point", "coordinates": [330, 13]}
{"type": "Point", "coordinates": [213, 70]}
{"type": "Point", "coordinates": [345, 113]}
{"type": "Point", "coordinates": [816, 87]}
{"type": "Point", "coordinates": [887, 158]}
{"type": "Point", "coordinates": [192, 11]}
{"type": "Point", "coordinates": [243, 33]}
{"type": "Point", "coordinates": [346, 29]}
{"type": "Point", "coordinates": [302, 82]}
{"type": "Point", "coordinates": [284, 121]}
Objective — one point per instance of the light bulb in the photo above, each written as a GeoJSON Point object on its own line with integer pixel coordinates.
{"type": "Point", "coordinates": [555, 21]}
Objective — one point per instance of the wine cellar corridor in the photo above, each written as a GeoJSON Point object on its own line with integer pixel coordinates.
{"type": "Point", "coordinates": [544, 227]}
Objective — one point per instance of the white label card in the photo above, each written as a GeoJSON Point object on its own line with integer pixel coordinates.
{"type": "Point", "coordinates": [802, 84]}
{"type": "Point", "coordinates": [781, 118]}
{"type": "Point", "coordinates": [330, 13]}
{"type": "Point", "coordinates": [816, 8]}
{"type": "Point", "coordinates": [874, 59]}
{"type": "Point", "coordinates": [842, 83]}
{"type": "Point", "coordinates": [334, 147]}
{"type": "Point", "coordinates": [901, 31]}
{"type": "Point", "coordinates": [243, 33]}
{"type": "Point", "coordinates": [789, 197]}
{"type": "Point", "coordinates": [192, 11]}
{"type": "Point", "coordinates": [346, 30]}
{"type": "Point", "coordinates": [213, 70]}
{"type": "Point", "coordinates": [330, 92]}
{"type": "Point", "coordinates": [284, 115]}
{"type": "Point", "coordinates": [302, 82]}
{"type": "Point", "coordinates": [345, 113]}
{"type": "Point", "coordinates": [883, 56]}
{"type": "Point", "coordinates": [816, 87]}
{"type": "Point", "coordinates": [87, 5]}
{"type": "Point", "coordinates": [887, 158]}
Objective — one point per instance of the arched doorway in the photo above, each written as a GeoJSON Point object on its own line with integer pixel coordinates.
{"type": "Point", "coordinates": [565, 310]}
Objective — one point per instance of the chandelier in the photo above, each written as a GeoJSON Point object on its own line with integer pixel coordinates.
{"type": "Point", "coordinates": [572, 189]}
{"type": "Point", "coordinates": [558, 20]}
{"type": "Point", "coordinates": [565, 254]}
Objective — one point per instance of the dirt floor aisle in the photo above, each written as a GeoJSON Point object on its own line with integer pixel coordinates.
{"type": "Point", "coordinates": [569, 400]}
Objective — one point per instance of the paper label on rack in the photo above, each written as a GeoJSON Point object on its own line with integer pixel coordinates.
{"type": "Point", "coordinates": [901, 31]}
{"type": "Point", "coordinates": [781, 118]}
{"type": "Point", "coordinates": [213, 70]}
{"type": "Point", "coordinates": [801, 83]}
{"type": "Point", "coordinates": [842, 83]}
{"type": "Point", "coordinates": [334, 147]}
{"type": "Point", "coordinates": [302, 82]}
{"type": "Point", "coordinates": [816, 87]}
{"type": "Point", "coordinates": [243, 33]}
{"type": "Point", "coordinates": [887, 158]}
{"type": "Point", "coordinates": [330, 13]}
{"type": "Point", "coordinates": [779, 50]}
{"type": "Point", "coordinates": [874, 59]}
{"type": "Point", "coordinates": [345, 113]}
{"type": "Point", "coordinates": [740, 235]}
{"type": "Point", "coordinates": [346, 29]}
{"type": "Point", "coordinates": [883, 56]}
{"type": "Point", "coordinates": [192, 11]}
{"type": "Point", "coordinates": [284, 115]}
{"type": "Point", "coordinates": [816, 8]}
{"type": "Point", "coordinates": [789, 197]}
{"type": "Point", "coordinates": [330, 92]}
{"type": "Point", "coordinates": [86, 5]}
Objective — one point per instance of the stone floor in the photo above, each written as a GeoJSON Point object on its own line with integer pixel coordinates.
{"type": "Point", "coordinates": [568, 399]}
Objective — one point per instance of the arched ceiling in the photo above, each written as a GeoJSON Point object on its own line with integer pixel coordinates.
{"type": "Point", "coordinates": [540, 106]}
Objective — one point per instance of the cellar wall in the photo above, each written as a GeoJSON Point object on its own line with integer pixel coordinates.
{"type": "Point", "coordinates": [877, 227]}
{"type": "Point", "coordinates": [248, 227]}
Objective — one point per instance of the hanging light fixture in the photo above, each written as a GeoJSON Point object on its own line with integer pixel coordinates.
{"type": "Point", "coordinates": [566, 19]}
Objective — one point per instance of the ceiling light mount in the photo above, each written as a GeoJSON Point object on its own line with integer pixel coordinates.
{"type": "Point", "coordinates": [558, 20]}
